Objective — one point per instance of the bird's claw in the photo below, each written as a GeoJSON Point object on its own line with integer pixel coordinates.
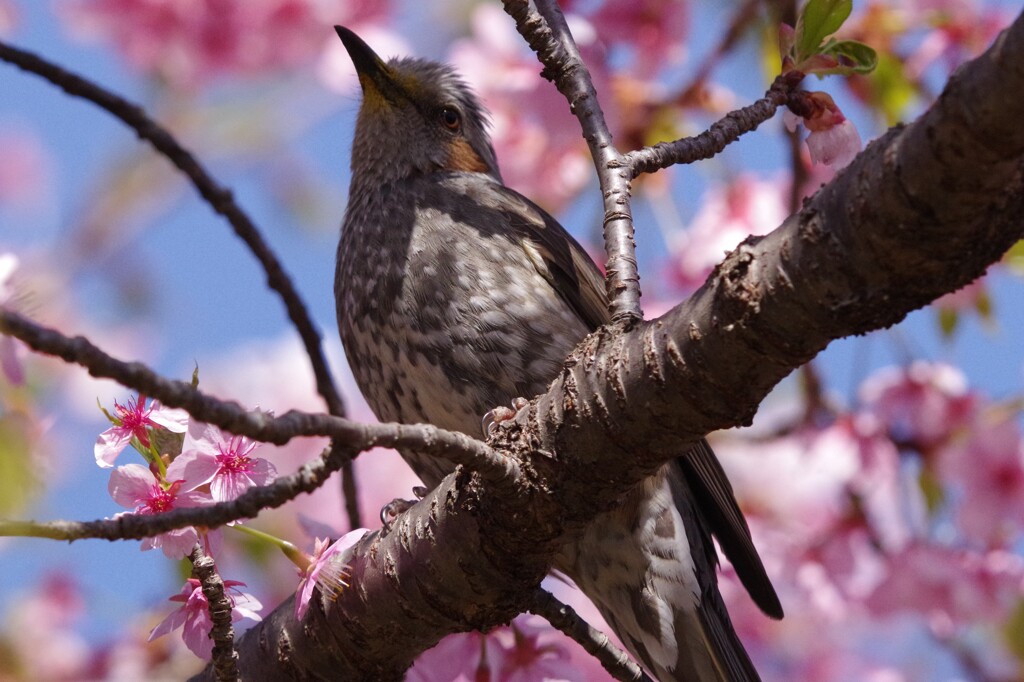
{"type": "Point", "coordinates": [500, 414]}
{"type": "Point", "coordinates": [393, 509]}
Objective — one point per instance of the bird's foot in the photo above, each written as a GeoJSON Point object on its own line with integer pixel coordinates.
{"type": "Point", "coordinates": [393, 509]}
{"type": "Point", "coordinates": [501, 414]}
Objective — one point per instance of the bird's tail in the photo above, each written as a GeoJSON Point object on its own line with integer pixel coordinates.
{"type": "Point", "coordinates": [649, 566]}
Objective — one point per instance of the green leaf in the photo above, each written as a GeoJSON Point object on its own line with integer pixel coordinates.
{"type": "Point", "coordinates": [932, 490]}
{"type": "Point", "coordinates": [819, 20]}
{"type": "Point", "coordinates": [18, 482]}
{"type": "Point", "coordinates": [890, 91]}
{"type": "Point", "coordinates": [948, 321]}
{"type": "Point", "coordinates": [195, 376]}
{"type": "Point", "coordinates": [1014, 258]}
{"type": "Point", "coordinates": [115, 422]}
{"type": "Point", "coordinates": [1014, 632]}
{"type": "Point", "coordinates": [984, 306]}
{"type": "Point", "coordinates": [854, 57]}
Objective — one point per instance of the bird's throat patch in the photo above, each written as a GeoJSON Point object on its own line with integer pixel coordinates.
{"type": "Point", "coordinates": [462, 157]}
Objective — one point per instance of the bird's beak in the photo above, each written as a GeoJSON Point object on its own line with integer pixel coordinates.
{"type": "Point", "coordinates": [374, 75]}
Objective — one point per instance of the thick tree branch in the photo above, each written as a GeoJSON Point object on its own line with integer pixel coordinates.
{"type": "Point", "coordinates": [921, 212]}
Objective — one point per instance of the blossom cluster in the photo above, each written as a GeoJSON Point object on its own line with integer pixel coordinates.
{"type": "Point", "coordinates": [902, 514]}
{"type": "Point", "coordinates": [203, 466]}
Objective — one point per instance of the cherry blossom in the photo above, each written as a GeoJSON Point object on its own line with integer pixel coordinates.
{"type": "Point", "coordinates": [10, 364]}
{"type": "Point", "coordinates": [25, 166]}
{"type": "Point", "coordinates": [194, 615]}
{"type": "Point", "coordinates": [524, 651]}
{"type": "Point", "coordinates": [214, 457]}
{"type": "Point", "coordinates": [325, 570]}
{"type": "Point", "coordinates": [190, 44]}
{"type": "Point", "coordinates": [833, 140]}
{"type": "Point", "coordinates": [8, 16]}
{"type": "Point", "coordinates": [986, 466]}
{"type": "Point", "coordinates": [539, 147]}
{"type": "Point", "coordinates": [133, 420]}
{"type": "Point", "coordinates": [952, 585]}
{"type": "Point", "coordinates": [653, 31]}
{"type": "Point", "coordinates": [958, 30]}
{"type": "Point", "coordinates": [922, 405]}
{"type": "Point", "coordinates": [728, 214]}
{"type": "Point", "coordinates": [134, 486]}
{"type": "Point", "coordinates": [42, 631]}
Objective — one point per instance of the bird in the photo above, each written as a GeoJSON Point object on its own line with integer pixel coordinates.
{"type": "Point", "coordinates": [456, 294]}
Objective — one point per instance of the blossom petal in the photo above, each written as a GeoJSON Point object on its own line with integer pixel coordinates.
{"type": "Point", "coordinates": [130, 484]}
{"type": "Point", "coordinates": [109, 445]}
{"type": "Point", "coordinates": [835, 146]}
{"type": "Point", "coordinates": [10, 365]}
{"type": "Point", "coordinates": [194, 468]}
{"type": "Point", "coordinates": [172, 419]}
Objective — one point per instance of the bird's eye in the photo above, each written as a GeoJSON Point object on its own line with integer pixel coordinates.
{"type": "Point", "coordinates": [451, 119]}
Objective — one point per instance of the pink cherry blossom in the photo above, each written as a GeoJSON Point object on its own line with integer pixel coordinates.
{"type": "Point", "coordinates": [728, 214]}
{"type": "Point", "coordinates": [835, 146]}
{"type": "Point", "coordinates": [462, 657]}
{"type": "Point", "coordinates": [530, 652]}
{"type": "Point", "coordinates": [133, 420]}
{"type": "Point", "coordinates": [957, 30]}
{"type": "Point", "coordinates": [214, 457]}
{"type": "Point", "coordinates": [833, 139]}
{"type": "Point", "coordinates": [25, 166]}
{"type": "Point", "coordinates": [653, 31]}
{"type": "Point", "coordinates": [921, 406]}
{"type": "Point", "coordinates": [326, 570]}
{"type": "Point", "coordinates": [528, 649]}
{"type": "Point", "coordinates": [8, 16]}
{"type": "Point", "coordinates": [986, 466]}
{"type": "Point", "coordinates": [194, 615]}
{"type": "Point", "coordinates": [42, 635]}
{"type": "Point", "coordinates": [10, 363]}
{"type": "Point", "coordinates": [135, 487]}
{"type": "Point", "coordinates": [950, 586]}
{"type": "Point", "coordinates": [190, 44]}
{"type": "Point", "coordinates": [539, 147]}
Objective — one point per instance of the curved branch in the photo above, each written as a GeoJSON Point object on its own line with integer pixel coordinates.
{"type": "Point", "coordinates": [219, 199]}
{"type": "Point", "coordinates": [457, 447]}
{"type": "Point", "coordinates": [561, 616]}
{"type": "Point", "coordinates": [721, 134]}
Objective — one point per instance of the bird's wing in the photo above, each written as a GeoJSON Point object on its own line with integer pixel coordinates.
{"type": "Point", "coordinates": [572, 273]}
{"type": "Point", "coordinates": [558, 257]}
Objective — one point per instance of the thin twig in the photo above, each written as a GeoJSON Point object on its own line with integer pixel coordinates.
{"type": "Point", "coordinates": [561, 616]}
{"type": "Point", "coordinates": [225, 658]}
{"type": "Point", "coordinates": [220, 199]}
{"type": "Point", "coordinates": [456, 447]}
{"type": "Point", "coordinates": [546, 31]}
{"type": "Point", "coordinates": [722, 133]}
{"type": "Point", "coordinates": [135, 526]}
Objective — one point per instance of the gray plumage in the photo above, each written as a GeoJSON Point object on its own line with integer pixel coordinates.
{"type": "Point", "coordinates": [456, 294]}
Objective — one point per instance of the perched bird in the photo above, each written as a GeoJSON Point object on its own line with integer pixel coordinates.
{"type": "Point", "coordinates": [456, 294]}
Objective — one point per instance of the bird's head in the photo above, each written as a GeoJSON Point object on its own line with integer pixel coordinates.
{"type": "Point", "coordinates": [416, 117]}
